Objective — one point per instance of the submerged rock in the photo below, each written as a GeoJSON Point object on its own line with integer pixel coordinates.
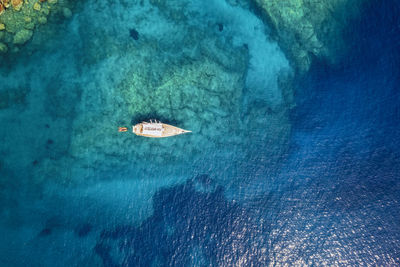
{"type": "Point", "coordinates": [10, 96]}
{"type": "Point", "coordinates": [42, 20]}
{"type": "Point", "coordinates": [45, 232]}
{"type": "Point", "coordinates": [310, 28]}
{"type": "Point", "coordinates": [20, 20]}
{"type": "Point", "coordinates": [3, 48]}
{"type": "Point", "coordinates": [22, 36]}
{"type": "Point", "coordinates": [67, 12]}
{"type": "Point", "coordinates": [83, 230]}
{"type": "Point", "coordinates": [134, 34]}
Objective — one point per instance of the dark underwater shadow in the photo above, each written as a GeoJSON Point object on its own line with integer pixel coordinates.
{"type": "Point", "coordinates": [184, 221]}
{"type": "Point", "coordinates": [346, 128]}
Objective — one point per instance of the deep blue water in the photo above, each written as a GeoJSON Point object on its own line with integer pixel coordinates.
{"type": "Point", "coordinates": [328, 195]}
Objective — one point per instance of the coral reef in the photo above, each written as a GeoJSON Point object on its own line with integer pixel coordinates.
{"type": "Point", "coordinates": [201, 85]}
{"type": "Point", "coordinates": [310, 28]}
{"type": "Point", "coordinates": [22, 36]}
{"type": "Point", "coordinates": [19, 20]}
{"type": "Point", "coordinates": [200, 95]}
{"type": "Point", "coordinates": [99, 79]}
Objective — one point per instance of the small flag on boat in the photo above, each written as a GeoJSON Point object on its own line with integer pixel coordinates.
{"type": "Point", "coordinates": [122, 129]}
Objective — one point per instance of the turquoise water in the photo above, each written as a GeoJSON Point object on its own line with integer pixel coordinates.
{"type": "Point", "coordinates": [271, 175]}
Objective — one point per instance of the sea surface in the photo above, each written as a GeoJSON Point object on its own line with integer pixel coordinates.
{"type": "Point", "coordinates": [264, 179]}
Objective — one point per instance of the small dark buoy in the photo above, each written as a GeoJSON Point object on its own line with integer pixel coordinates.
{"type": "Point", "coordinates": [47, 126]}
{"type": "Point", "coordinates": [50, 141]}
{"type": "Point", "coordinates": [220, 27]}
{"type": "Point", "coordinates": [134, 34]}
{"type": "Point", "coordinates": [35, 162]}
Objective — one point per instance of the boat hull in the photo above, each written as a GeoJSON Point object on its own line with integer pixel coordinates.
{"type": "Point", "coordinates": [167, 130]}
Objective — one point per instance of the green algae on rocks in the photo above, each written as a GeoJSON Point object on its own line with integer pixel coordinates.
{"type": "Point", "coordinates": [310, 28]}
{"type": "Point", "coordinates": [3, 48]}
{"type": "Point", "coordinates": [20, 20]}
{"type": "Point", "coordinates": [22, 36]}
